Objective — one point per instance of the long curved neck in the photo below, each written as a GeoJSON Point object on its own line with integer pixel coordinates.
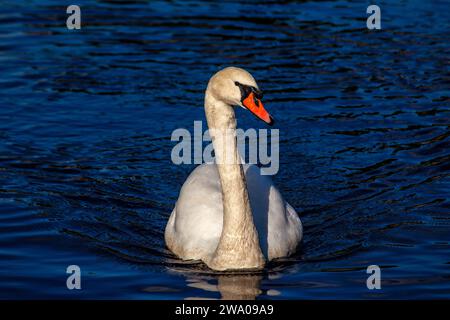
{"type": "Point", "coordinates": [238, 246]}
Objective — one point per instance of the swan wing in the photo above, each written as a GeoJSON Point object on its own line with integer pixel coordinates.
{"type": "Point", "coordinates": [195, 225]}
{"type": "Point", "coordinates": [279, 227]}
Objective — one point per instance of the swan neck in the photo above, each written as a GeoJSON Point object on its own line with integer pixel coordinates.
{"type": "Point", "coordinates": [238, 246]}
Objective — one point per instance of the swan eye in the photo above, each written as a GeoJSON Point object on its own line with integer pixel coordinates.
{"type": "Point", "coordinates": [245, 90]}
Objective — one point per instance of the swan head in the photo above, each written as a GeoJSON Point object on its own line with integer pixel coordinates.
{"type": "Point", "coordinates": [237, 87]}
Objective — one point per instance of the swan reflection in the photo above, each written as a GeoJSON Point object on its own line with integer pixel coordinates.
{"type": "Point", "coordinates": [230, 287]}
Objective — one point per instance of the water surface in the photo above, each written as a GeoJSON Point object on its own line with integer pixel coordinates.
{"type": "Point", "coordinates": [86, 118]}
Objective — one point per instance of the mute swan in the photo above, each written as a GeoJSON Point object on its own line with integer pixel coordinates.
{"type": "Point", "coordinates": [229, 215]}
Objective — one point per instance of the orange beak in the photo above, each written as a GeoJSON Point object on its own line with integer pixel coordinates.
{"type": "Point", "coordinates": [256, 107]}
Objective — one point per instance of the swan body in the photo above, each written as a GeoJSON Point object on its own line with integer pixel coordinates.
{"type": "Point", "coordinates": [195, 225]}
{"type": "Point", "coordinates": [229, 215]}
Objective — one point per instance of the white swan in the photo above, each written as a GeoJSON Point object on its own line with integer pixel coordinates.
{"type": "Point", "coordinates": [229, 215]}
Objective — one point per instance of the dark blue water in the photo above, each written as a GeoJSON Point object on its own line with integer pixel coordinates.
{"type": "Point", "coordinates": [86, 118]}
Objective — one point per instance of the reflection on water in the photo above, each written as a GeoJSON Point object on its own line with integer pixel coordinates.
{"type": "Point", "coordinates": [86, 119]}
{"type": "Point", "coordinates": [231, 287]}
{"type": "Point", "coordinates": [224, 285]}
